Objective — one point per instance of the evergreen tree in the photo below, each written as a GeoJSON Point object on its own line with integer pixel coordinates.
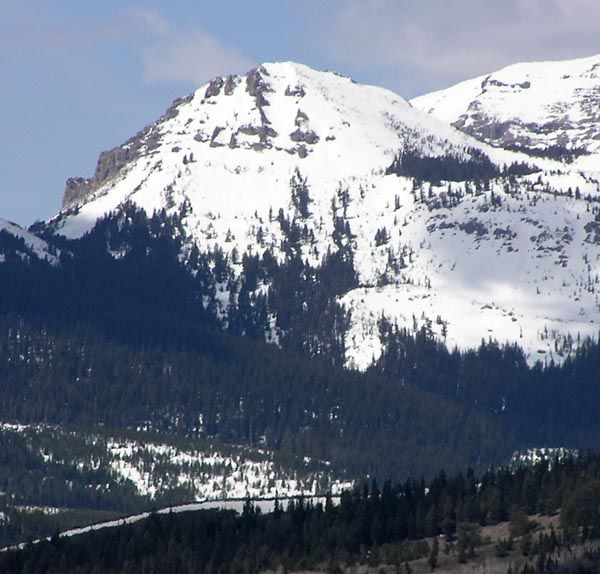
{"type": "Point", "coordinates": [432, 560]}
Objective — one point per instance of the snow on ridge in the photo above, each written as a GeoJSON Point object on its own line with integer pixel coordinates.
{"type": "Point", "coordinates": [197, 471]}
{"type": "Point", "coordinates": [440, 102]}
{"type": "Point", "coordinates": [533, 104]}
{"type": "Point", "coordinates": [33, 244]}
{"type": "Point", "coordinates": [260, 128]}
{"type": "Point", "coordinates": [264, 505]}
{"type": "Point", "coordinates": [524, 271]}
{"type": "Point", "coordinates": [532, 456]}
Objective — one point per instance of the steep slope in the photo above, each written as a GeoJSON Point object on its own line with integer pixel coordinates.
{"type": "Point", "coordinates": [548, 107]}
{"type": "Point", "coordinates": [405, 217]}
{"type": "Point", "coordinates": [16, 242]}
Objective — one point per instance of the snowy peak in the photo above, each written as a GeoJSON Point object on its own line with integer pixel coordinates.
{"type": "Point", "coordinates": [278, 118]}
{"type": "Point", "coordinates": [548, 107]}
{"type": "Point", "coordinates": [15, 242]}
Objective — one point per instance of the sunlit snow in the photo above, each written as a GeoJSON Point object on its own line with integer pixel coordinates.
{"type": "Point", "coordinates": [518, 261]}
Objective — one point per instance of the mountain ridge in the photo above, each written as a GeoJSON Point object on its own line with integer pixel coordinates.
{"type": "Point", "coordinates": [18, 242]}
{"type": "Point", "coordinates": [540, 107]}
{"type": "Point", "coordinates": [255, 129]}
{"type": "Point", "coordinates": [335, 221]}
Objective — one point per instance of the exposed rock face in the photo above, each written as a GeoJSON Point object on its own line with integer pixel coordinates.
{"type": "Point", "coordinates": [301, 118]}
{"type": "Point", "coordinates": [215, 135]}
{"type": "Point", "coordinates": [111, 162]}
{"type": "Point", "coordinates": [306, 136]}
{"type": "Point", "coordinates": [296, 91]}
{"type": "Point", "coordinates": [230, 84]}
{"type": "Point", "coordinates": [76, 190]}
{"type": "Point", "coordinates": [257, 87]}
{"type": "Point", "coordinates": [214, 88]}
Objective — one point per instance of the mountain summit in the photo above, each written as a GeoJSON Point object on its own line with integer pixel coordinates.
{"type": "Point", "coordinates": [303, 189]}
{"type": "Point", "coordinates": [263, 126]}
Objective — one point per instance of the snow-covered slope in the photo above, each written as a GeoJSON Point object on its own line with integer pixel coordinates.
{"type": "Point", "coordinates": [166, 468]}
{"type": "Point", "coordinates": [515, 259]}
{"type": "Point", "coordinates": [545, 106]}
{"type": "Point", "coordinates": [157, 469]}
{"type": "Point", "coordinates": [16, 242]}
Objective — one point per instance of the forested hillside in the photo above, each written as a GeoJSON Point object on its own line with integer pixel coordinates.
{"type": "Point", "coordinates": [390, 528]}
{"type": "Point", "coordinates": [127, 326]}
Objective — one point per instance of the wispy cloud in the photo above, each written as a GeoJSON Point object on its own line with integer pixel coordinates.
{"type": "Point", "coordinates": [409, 45]}
{"type": "Point", "coordinates": [167, 52]}
{"type": "Point", "coordinates": [182, 54]}
{"type": "Point", "coordinates": [432, 43]}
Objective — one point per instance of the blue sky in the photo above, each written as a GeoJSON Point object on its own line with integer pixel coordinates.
{"type": "Point", "coordinates": [80, 77]}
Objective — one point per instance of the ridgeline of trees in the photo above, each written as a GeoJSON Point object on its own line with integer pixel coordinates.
{"type": "Point", "coordinates": [374, 526]}
{"type": "Point", "coordinates": [245, 392]}
{"type": "Point", "coordinates": [555, 152]}
{"type": "Point", "coordinates": [474, 166]}
{"type": "Point", "coordinates": [551, 405]}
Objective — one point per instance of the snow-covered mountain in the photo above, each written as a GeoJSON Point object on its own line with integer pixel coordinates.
{"type": "Point", "coordinates": [304, 163]}
{"type": "Point", "coordinates": [550, 107]}
{"type": "Point", "coordinates": [17, 242]}
{"type": "Point", "coordinates": [251, 133]}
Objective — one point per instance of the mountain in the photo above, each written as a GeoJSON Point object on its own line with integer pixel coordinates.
{"type": "Point", "coordinates": [219, 270]}
{"type": "Point", "coordinates": [323, 124]}
{"type": "Point", "coordinates": [548, 108]}
{"type": "Point", "coordinates": [15, 242]}
{"type": "Point", "coordinates": [370, 209]}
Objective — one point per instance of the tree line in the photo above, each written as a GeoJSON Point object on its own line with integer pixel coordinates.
{"type": "Point", "coordinates": [373, 525]}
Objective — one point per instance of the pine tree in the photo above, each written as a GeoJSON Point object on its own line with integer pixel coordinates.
{"type": "Point", "coordinates": [432, 560]}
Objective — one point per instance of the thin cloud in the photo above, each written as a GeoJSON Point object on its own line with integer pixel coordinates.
{"type": "Point", "coordinates": [189, 55]}
{"type": "Point", "coordinates": [436, 42]}
{"type": "Point", "coordinates": [166, 52]}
